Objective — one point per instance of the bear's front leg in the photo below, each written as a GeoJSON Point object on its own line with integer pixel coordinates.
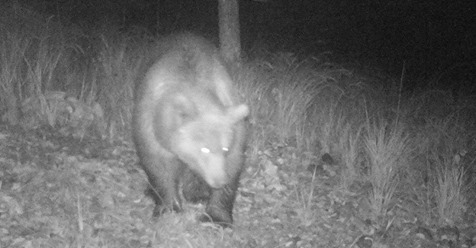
{"type": "Point", "coordinates": [163, 178]}
{"type": "Point", "coordinates": [219, 209]}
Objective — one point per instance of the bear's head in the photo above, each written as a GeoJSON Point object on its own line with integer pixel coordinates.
{"type": "Point", "coordinates": [204, 143]}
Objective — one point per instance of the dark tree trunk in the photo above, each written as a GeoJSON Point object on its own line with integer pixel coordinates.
{"type": "Point", "coordinates": [229, 26]}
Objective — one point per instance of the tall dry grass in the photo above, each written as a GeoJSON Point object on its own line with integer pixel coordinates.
{"type": "Point", "coordinates": [387, 149]}
{"type": "Point", "coordinates": [80, 81]}
{"type": "Point", "coordinates": [13, 46]}
{"type": "Point", "coordinates": [448, 165]}
{"type": "Point", "coordinates": [118, 64]}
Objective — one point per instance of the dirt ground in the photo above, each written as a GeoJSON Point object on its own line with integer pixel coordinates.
{"type": "Point", "coordinates": [64, 192]}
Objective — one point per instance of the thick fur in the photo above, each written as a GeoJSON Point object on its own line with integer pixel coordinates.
{"type": "Point", "coordinates": [186, 117]}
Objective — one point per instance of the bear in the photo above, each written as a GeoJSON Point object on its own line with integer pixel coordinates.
{"type": "Point", "coordinates": [187, 118]}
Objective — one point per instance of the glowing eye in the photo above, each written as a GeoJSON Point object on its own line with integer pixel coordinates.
{"type": "Point", "coordinates": [205, 150]}
{"type": "Point", "coordinates": [225, 149]}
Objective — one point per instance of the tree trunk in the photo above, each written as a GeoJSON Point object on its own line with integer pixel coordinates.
{"type": "Point", "coordinates": [229, 27]}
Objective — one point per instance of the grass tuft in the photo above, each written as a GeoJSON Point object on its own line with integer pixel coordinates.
{"type": "Point", "coordinates": [387, 148]}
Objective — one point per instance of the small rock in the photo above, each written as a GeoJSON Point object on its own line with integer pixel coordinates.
{"type": "Point", "coordinates": [327, 159]}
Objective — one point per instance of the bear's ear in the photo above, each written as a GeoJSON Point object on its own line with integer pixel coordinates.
{"type": "Point", "coordinates": [238, 113]}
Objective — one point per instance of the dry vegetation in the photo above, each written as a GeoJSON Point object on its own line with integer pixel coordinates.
{"type": "Point", "coordinates": [335, 159]}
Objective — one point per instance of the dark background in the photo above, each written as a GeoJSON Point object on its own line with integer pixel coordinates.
{"type": "Point", "coordinates": [427, 38]}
